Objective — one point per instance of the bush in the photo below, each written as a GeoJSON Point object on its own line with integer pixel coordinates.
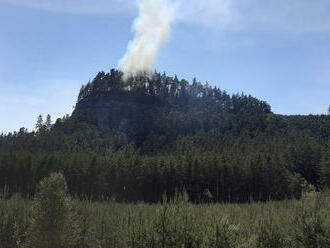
{"type": "Point", "coordinates": [312, 222]}
{"type": "Point", "coordinates": [14, 220]}
{"type": "Point", "coordinates": [269, 234]}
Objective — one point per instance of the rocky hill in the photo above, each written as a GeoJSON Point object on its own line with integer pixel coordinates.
{"type": "Point", "coordinates": [150, 135]}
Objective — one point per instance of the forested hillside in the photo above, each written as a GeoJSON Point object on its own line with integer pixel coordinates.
{"type": "Point", "coordinates": [138, 139]}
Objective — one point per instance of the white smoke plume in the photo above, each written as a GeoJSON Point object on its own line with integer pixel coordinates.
{"type": "Point", "coordinates": [152, 30]}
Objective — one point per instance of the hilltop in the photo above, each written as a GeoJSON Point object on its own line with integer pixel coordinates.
{"type": "Point", "coordinates": [139, 138]}
{"type": "Point", "coordinates": [163, 106]}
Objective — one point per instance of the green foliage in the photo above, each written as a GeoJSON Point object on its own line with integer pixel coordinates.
{"type": "Point", "coordinates": [14, 221]}
{"type": "Point", "coordinates": [148, 137]}
{"type": "Point", "coordinates": [270, 233]}
{"type": "Point", "coordinates": [325, 168]}
{"type": "Point", "coordinates": [54, 221]}
{"type": "Point", "coordinates": [136, 140]}
{"type": "Point", "coordinates": [312, 224]}
{"type": "Point", "coordinates": [175, 223]}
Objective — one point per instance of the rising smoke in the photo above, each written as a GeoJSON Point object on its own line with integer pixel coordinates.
{"type": "Point", "coordinates": [152, 30]}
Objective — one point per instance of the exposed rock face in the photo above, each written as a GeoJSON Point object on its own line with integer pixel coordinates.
{"type": "Point", "coordinates": [122, 112]}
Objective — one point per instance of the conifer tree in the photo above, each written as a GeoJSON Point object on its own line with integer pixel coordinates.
{"type": "Point", "coordinates": [40, 123]}
{"type": "Point", "coordinates": [48, 123]}
{"type": "Point", "coordinates": [54, 223]}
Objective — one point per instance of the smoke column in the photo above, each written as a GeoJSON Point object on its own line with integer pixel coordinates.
{"type": "Point", "coordinates": [152, 30]}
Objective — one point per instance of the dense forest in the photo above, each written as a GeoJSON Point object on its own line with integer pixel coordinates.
{"type": "Point", "coordinates": [151, 135]}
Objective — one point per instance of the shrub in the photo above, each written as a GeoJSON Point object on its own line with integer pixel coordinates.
{"type": "Point", "coordinates": [310, 226]}
{"type": "Point", "coordinates": [269, 234]}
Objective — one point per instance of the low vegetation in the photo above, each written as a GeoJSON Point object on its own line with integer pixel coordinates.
{"type": "Point", "coordinates": [54, 220]}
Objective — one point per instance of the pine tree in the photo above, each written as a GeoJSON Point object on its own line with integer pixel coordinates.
{"type": "Point", "coordinates": [40, 123]}
{"type": "Point", "coordinates": [48, 123]}
{"type": "Point", "coordinates": [54, 223]}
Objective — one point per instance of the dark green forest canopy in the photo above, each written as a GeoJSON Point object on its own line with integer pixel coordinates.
{"type": "Point", "coordinates": [137, 139]}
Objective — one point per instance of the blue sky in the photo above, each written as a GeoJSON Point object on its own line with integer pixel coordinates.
{"type": "Point", "coordinates": [276, 50]}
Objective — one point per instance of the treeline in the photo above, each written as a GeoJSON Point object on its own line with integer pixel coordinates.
{"type": "Point", "coordinates": [150, 135]}
{"type": "Point", "coordinates": [206, 178]}
{"type": "Point", "coordinates": [209, 166]}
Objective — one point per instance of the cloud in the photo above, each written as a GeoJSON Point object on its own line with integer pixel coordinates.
{"type": "Point", "coordinates": [76, 6]}
{"type": "Point", "coordinates": [255, 15]}
{"type": "Point", "coordinates": [219, 14]}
